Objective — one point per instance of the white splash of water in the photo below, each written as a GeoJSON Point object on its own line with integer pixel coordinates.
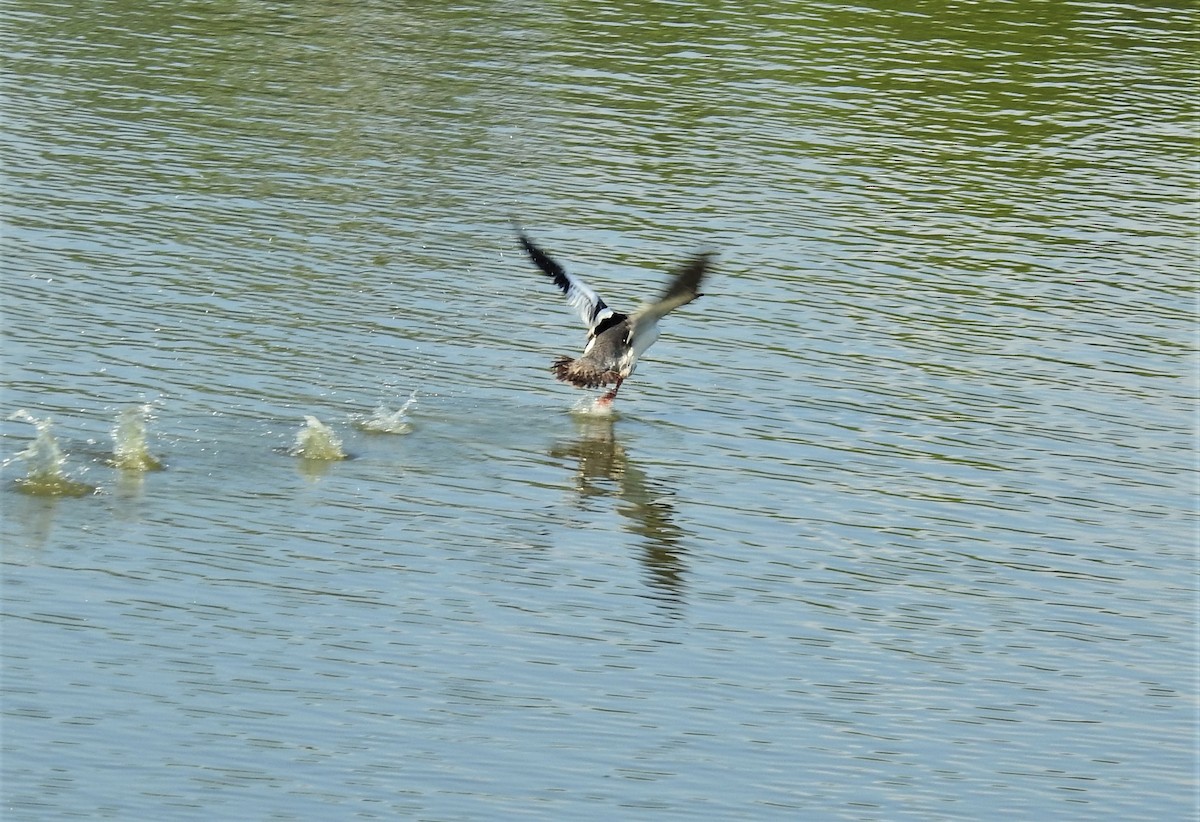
{"type": "Point", "coordinates": [593, 407]}
{"type": "Point", "coordinates": [130, 451]}
{"type": "Point", "coordinates": [317, 441]}
{"type": "Point", "coordinates": [47, 475]}
{"type": "Point", "coordinates": [384, 420]}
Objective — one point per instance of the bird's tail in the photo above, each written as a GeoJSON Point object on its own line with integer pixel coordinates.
{"type": "Point", "coordinates": [569, 370]}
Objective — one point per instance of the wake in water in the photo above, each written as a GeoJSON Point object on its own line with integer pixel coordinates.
{"type": "Point", "coordinates": [130, 451]}
{"type": "Point", "coordinates": [384, 420]}
{"type": "Point", "coordinates": [317, 441]}
{"type": "Point", "coordinates": [47, 475]}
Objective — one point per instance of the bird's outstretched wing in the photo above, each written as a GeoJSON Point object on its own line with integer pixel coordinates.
{"type": "Point", "coordinates": [592, 309]}
{"type": "Point", "coordinates": [684, 287]}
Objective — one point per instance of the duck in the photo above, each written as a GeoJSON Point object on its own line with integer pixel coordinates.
{"type": "Point", "coordinates": [615, 339]}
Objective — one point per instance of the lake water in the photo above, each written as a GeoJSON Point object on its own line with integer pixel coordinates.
{"type": "Point", "coordinates": [897, 522]}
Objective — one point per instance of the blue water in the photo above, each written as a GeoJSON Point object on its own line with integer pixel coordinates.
{"type": "Point", "coordinates": [898, 521]}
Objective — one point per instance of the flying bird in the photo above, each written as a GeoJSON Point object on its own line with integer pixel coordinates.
{"type": "Point", "coordinates": [614, 340]}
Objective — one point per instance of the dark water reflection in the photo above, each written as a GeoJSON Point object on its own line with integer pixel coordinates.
{"type": "Point", "coordinates": [603, 470]}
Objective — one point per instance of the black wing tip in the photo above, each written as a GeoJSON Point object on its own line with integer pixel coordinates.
{"type": "Point", "coordinates": [527, 244]}
{"type": "Point", "coordinates": [547, 264]}
{"type": "Point", "coordinates": [523, 237]}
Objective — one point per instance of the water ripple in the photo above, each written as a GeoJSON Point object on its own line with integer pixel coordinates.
{"type": "Point", "coordinates": [896, 521]}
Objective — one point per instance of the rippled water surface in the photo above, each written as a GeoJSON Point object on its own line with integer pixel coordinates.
{"type": "Point", "coordinates": [897, 522]}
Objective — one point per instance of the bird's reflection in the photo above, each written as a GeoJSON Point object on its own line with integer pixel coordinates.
{"type": "Point", "coordinates": [604, 469]}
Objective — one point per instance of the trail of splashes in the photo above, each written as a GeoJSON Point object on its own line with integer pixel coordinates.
{"type": "Point", "coordinates": [47, 475]}
{"type": "Point", "coordinates": [384, 420]}
{"type": "Point", "coordinates": [130, 451]}
{"type": "Point", "coordinates": [317, 441]}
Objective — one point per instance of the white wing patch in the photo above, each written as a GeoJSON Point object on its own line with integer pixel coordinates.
{"type": "Point", "coordinates": [592, 310]}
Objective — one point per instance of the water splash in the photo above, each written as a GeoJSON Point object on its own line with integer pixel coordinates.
{"type": "Point", "coordinates": [47, 475]}
{"type": "Point", "coordinates": [592, 407]}
{"type": "Point", "coordinates": [384, 420]}
{"type": "Point", "coordinates": [317, 441]}
{"type": "Point", "coordinates": [130, 451]}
